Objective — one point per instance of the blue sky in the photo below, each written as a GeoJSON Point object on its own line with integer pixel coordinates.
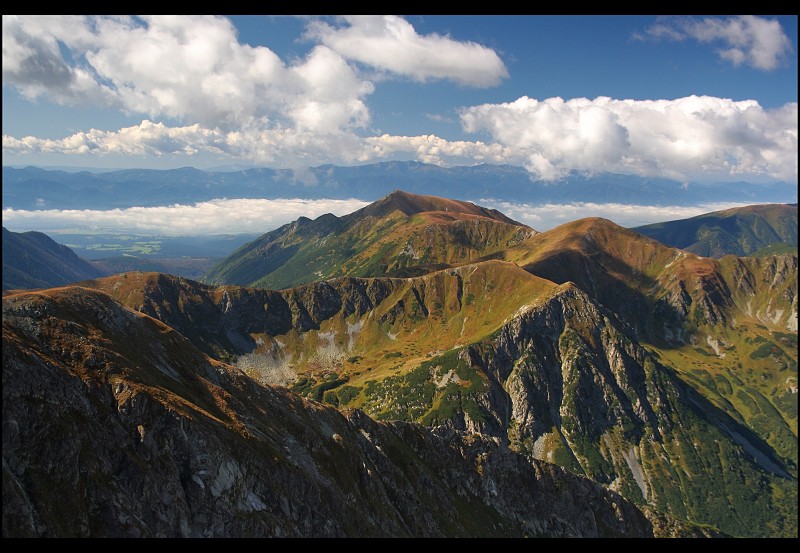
{"type": "Point", "coordinates": [688, 98]}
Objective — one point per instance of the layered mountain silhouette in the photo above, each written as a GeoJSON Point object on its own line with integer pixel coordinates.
{"type": "Point", "coordinates": [664, 376]}
{"type": "Point", "coordinates": [34, 260]}
{"type": "Point", "coordinates": [35, 188]}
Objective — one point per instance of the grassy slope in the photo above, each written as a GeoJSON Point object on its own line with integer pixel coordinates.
{"type": "Point", "coordinates": [754, 302]}
{"type": "Point", "coordinates": [402, 234]}
{"type": "Point", "coordinates": [738, 231]}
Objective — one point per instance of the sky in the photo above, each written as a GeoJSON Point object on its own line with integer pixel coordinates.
{"type": "Point", "coordinates": [685, 97]}
{"type": "Point", "coordinates": [689, 98]}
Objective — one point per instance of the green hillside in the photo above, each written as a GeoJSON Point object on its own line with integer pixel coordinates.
{"type": "Point", "coordinates": [752, 230]}
{"type": "Point", "coordinates": [400, 235]}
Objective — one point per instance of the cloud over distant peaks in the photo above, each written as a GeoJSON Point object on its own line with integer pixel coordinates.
{"type": "Point", "coordinates": [390, 43]}
{"type": "Point", "coordinates": [284, 147]}
{"type": "Point", "coordinates": [692, 137]}
{"type": "Point", "coordinates": [695, 135]}
{"type": "Point", "coordinates": [198, 89]}
{"type": "Point", "coordinates": [747, 39]}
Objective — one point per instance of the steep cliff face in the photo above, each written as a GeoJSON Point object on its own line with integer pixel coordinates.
{"type": "Point", "coordinates": [569, 384]}
{"type": "Point", "coordinates": [115, 425]}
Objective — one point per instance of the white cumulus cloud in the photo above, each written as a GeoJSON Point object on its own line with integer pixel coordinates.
{"type": "Point", "coordinates": [390, 43]}
{"type": "Point", "coordinates": [202, 218]}
{"type": "Point", "coordinates": [189, 68]}
{"type": "Point", "coordinates": [685, 137]}
{"type": "Point", "coordinates": [747, 39]}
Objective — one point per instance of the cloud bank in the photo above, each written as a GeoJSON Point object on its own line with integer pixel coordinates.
{"type": "Point", "coordinates": [746, 39]}
{"type": "Point", "coordinates": [260, 215]}
{"type": "Point", "coordinates": [203, 218]}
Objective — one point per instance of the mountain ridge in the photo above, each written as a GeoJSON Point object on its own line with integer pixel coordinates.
{"type": "Point", "coordinates": [739, 231]}
{"type": "Point", "coordinates": [243, 460]}
{"type": "Point", "coordinates": [34, 260]}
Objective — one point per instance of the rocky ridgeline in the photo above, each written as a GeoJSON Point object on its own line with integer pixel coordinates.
{"type": "Point", "coordinates": [115, 425]}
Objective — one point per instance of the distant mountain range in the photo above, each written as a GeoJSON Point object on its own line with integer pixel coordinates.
{"type": "Point", "coordinates": [34, 188]}
{"type": "Point", "coordinates": [751, 230]}
{"type": "Point", "coordinates": [34, 260]}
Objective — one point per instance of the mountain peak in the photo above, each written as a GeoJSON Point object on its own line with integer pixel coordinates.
{"type": "Point", "coordinates": [402, 234]}
{"type": "Point", "coordinates": [411, 204]}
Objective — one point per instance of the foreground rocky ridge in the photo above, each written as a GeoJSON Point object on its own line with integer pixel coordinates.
{"type": "Point", "coordinates": [115, 425]}
{"type": "Point", "coordinates": [559, 378]}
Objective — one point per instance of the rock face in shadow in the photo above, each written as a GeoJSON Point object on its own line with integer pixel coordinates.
{"type": "Point", "coordinates": [116, 425]}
